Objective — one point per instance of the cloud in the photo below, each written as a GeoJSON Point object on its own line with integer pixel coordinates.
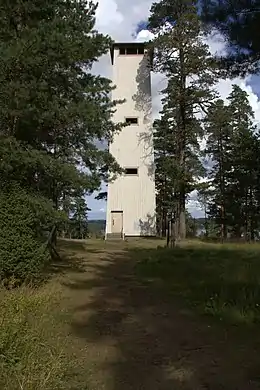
{"type": "Point", "coordinates": [120, 20]}
{"type": "Point", "coordinates": [108, 17]}
{"type": "Point", "coordinates": [127, 23]}
{"type": "Point", "coordinates": [144, 36]}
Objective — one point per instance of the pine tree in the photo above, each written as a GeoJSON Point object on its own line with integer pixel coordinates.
{"type": "Point", "coordinates": [52, 108]}
{"type": "Point", "coordinates": [79, 217]}
{"type": "Point", "coordinates": [181, 55]}
{"type": "Point", "coordinates": [204, 195]}
{"type": "Point", "coordinates": [242, 179]}
{"type": "Point", "coordinates": [238, 21]}
{"type": "Point", "coordinates": [164, 160]}
{"type": "Point", "coordinates": [49, 99]}
{"type": "Point", "coordinates": [219, 143]}
{"type": "Point", "coordinates": [233, 145]}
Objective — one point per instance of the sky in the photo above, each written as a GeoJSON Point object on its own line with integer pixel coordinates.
{"type": "Point", "coordinates": [124, 23]}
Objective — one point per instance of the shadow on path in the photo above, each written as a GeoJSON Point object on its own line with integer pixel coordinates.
{"type": "Point", "coordinates": [141, 339]}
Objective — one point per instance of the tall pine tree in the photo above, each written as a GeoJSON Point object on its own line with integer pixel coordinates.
{"type": "Point", "coordinates": [52, 108]}
{"type": "Point", "coordinates": [233, 144]}
{"type": "Point", "coordinates": [219, 141]}
{"type": "Point", "coordinates": [243, 175]}
{"type": "Point", "coordinates": [184, 59]}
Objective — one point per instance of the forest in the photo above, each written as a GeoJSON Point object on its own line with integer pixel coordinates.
{"type": "Point", "coordinates": [202, 143]}
{"type": "Point", "coordinates": [54, 111]}
{"type": "Point", "coordinates": [80, 312]}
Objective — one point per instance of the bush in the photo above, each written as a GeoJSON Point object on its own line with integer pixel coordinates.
{"type": "Point", "coordinates": [24, 219]}
{"type": "Point", "coordinates": [32, 351]}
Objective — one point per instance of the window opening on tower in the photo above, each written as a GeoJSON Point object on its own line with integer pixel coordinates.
{"type": "Point", "coordinates": [131, 50]}
{"type": "Point", "coordinates": [131, 120]}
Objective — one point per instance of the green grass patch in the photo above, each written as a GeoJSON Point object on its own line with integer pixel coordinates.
{"type": "Point", "coordinates": [219, 280]}
{"type": "Point", "coordinates": [33, 344]}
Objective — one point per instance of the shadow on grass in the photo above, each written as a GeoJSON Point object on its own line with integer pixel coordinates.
{"type": "Point", "coordinates": [222, 281]}
{"type": "Point", "coordinates": [143, 305]}
{"type": "Point", "coordinates": [71, 258]}
{"type": "Point", "coordinates": [74, 255]}
{"type": "Point", "coordinates": [66, 264]}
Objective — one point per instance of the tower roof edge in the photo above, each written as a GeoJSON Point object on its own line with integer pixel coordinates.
{"type": "Point", "coordinates": [118, 45]}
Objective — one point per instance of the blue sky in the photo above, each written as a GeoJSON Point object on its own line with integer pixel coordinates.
{"type": "Point", "coordinates": [98, 207]}
{"type": "Point", "coordinates": [124, 23]}
{"type": "Point", "coordinates": [141, 26]}
{"type": "Point", "coordinates": [255, 84]}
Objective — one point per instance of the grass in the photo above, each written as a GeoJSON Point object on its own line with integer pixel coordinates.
{"type": "Point", "coordinates": [48, 335]}
{"type": "Point", "coordinates": [37, 349]}
{"type": "Point", "coordinates": [218, 280]}
{"type": "Point", "coordinates": [33, 349]}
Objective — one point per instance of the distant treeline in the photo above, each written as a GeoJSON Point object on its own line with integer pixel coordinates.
{"type": "Point", "coordinates": [96, 226]}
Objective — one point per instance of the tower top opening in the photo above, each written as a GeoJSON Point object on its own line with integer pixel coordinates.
{"type": "Point", "coordinates": [130, 48]}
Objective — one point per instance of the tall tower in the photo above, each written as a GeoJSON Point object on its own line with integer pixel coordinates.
{"type": "Point", "coordinates": [131, 197]}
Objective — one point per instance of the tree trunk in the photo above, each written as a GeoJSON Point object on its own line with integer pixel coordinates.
{"type": "Point", "coordinates": [159, 224]}
{"type": "Point", "coordinates": [222, 192]}
{"type": "Point", "coordinates": [252, 225]}
{"type": "Point", "coordinates": [182, 231]}
{"type": "Point", "coordinates": [173, 240]}
{"type": "Point", "coordinates": [206, 226]}
{"type": "Point", "coordinates": [163, 223]}
{"type": "Point", "coordinates": [182, 147]}
{"type": "Point", "coordinates": [168, 233]}
{"type": "Point", "coordinates": [222, 228]}
{"type": "Point", "coordinates": [246, 227]}
{"type": "Point", "coordinates": [164, 211]}
{"type": "Point", "coordinates": [177, 221]}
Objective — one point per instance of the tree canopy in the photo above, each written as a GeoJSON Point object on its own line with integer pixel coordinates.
{"type": "Point", "coordinates": [238, 21]}
{"type": "Point", "coordinates": [53, 109]}
{"type": "Point", "coordinates": [184, 59]}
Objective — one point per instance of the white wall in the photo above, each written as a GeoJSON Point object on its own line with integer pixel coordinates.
{"type": "Point", "coordinates": [132, 147]}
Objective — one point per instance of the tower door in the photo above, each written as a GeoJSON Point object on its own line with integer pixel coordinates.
{"type": "Point", "coordinates": [117, 221]}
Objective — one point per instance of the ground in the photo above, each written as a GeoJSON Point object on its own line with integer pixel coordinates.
{"type": "Point", "coordinates": [131, 332]}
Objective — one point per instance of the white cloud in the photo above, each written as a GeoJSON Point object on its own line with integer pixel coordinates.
{"type": "Point", "coordinates": [120, 21]}
{"type": "Point", "coordinates": [144, 36]}
{"type": "Point", "coordinates": [108, 16]}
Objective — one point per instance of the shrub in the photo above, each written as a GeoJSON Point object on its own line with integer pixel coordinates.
{"type": "Point", "coordinates": [24, 219]}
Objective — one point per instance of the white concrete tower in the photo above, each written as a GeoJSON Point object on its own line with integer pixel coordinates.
{"type": "Point", "coordinates": [131, 197]}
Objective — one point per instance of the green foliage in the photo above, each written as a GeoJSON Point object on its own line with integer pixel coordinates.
{"type": "Point", "coordinates": [25, 220]}
{"type": "Point", "coordinates": [96, 228]}
{"type": "Point", "coordinates": [239, 22]}
{"type": "Point", "coordinates": [66, 109]}
{"type": "Point", "coordinates": [79, 218]}
{"type": "Point", "coordinates": [185, 60]}
{"type": "Point", "coordinates": [233, 145]}
{"type": "Point", "coordinates": [53, 112]}
{"type": "Point", "coordinates": [192, 226]}
{"type": "Point", "coordinates": [76, 210]}
{"type": "Point", "coordinates": [218, 130]}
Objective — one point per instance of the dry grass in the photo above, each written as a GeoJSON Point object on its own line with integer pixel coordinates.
{"type": "Point", "coordinates": [33, 347]}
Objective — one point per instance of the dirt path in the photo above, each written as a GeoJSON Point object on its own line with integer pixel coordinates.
{"type": "Point", "coordinates": [134, 337]}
